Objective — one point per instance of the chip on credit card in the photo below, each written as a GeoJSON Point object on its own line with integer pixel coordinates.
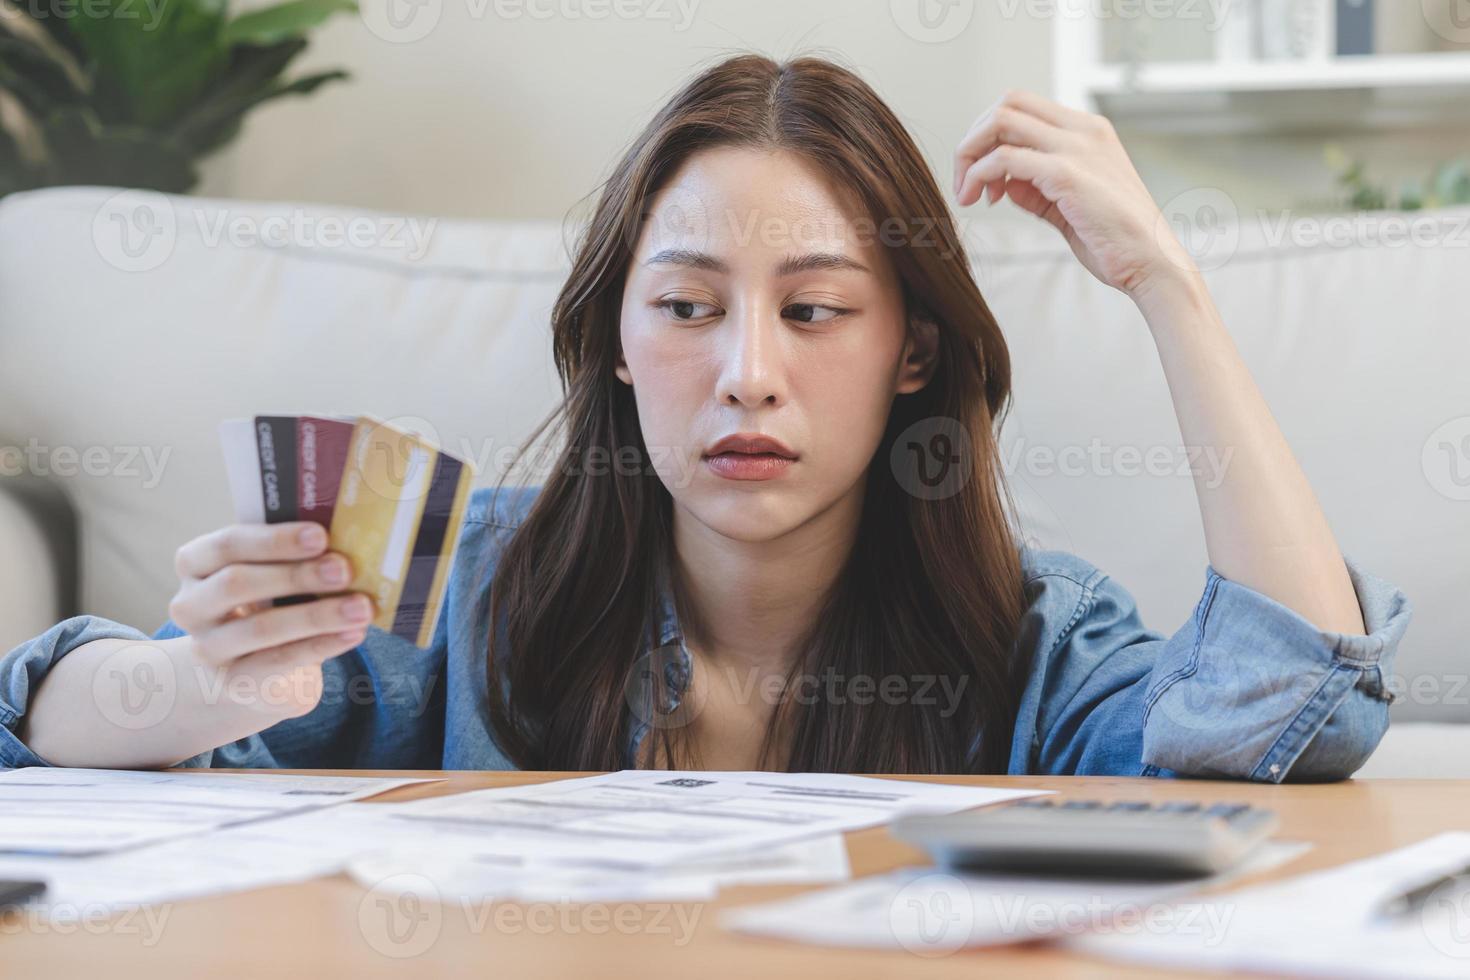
{"type": "Point", "coordinates": [391, 501]}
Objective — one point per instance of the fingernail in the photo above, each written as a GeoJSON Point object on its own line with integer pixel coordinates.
{"type": "Point", "coordinates": [313, 536]}
{"type": "Point", "coordinates": [333, 571]}
{"type": "Point", "coordinates": [356, 609]}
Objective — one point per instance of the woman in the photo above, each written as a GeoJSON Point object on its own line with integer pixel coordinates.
{"type": "Point", "coordinates": [777, 535]}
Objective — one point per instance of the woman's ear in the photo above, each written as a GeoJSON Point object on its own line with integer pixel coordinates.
{"type": "Point", "coordinates": [920, 355]}
{"type": "Point", "coordinates": [621, 370]}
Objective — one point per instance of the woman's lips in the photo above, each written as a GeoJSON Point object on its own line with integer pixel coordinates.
{"type": "Point", "coordinates": [749, 456]}
{"type": "Point", "coordinates": [748, 466]}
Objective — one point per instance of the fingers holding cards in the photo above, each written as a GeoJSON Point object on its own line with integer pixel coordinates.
{"type": "Point", "coordinates": [246, 587]}
{"type": "Point", "coordinates": [388, 500]}
{"type": "Point", "coordinates": [337, 621]}
{"type": "Point", "coordinates": [239, 543]}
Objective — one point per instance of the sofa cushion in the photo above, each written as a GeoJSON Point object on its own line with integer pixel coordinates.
{"type": "Point", "coordinates": [132, 323]}
{"type": "Point", "coordinates": [32, 571]}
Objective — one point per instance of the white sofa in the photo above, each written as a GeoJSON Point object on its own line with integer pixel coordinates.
{"type": "Point", "coordinates": [131, 324]}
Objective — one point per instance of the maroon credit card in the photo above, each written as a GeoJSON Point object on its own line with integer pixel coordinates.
{"type": "Point", "coordinates": [321, 456]}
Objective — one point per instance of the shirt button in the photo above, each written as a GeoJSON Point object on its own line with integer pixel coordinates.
{"type": "Point", "coordinates": [1275, 769]}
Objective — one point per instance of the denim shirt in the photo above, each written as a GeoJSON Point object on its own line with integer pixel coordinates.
{"type": "Point", "coordinates": [1246, 689]}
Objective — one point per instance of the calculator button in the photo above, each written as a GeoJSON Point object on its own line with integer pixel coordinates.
{"type": "Point", "coordinates": [1180, 808]}
{"type": "Point", "coordinates": [1225, 811]}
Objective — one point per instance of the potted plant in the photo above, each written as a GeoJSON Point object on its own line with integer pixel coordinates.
{"type": "Point", "coordinates": [132, 94]}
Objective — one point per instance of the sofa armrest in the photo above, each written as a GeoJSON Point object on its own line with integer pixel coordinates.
{"type": "Point", "coordinates": [38, 559]}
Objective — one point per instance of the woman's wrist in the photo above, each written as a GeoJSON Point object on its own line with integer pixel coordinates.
{"type": "Point", "coordinates": [1176, 302]}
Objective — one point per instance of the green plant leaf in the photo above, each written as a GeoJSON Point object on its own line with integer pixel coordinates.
{"type": "Point", "coordinates": [251, 72]}
{"type": "Point", "coordinates": [15, 173]}
{"type": "Point", "coordinates": [229, 116]}
{"type": "Point", "coordinates": [1452, 182]}
{"type": "Point", "coordinates": [49, 19]}
{"type": "Point", "coordinates": [1367, 198]}
{"type": "Point", "coordinates": [83, 150]}
{"type": "Point", "coordinates": [151, 61]}
{"type": "Point", "coordinates": [251, 78]}
{"type": "Point", "coordinates": [1411, 197]}
{"type": "Point", "coordinates": [305, 85]}
{"type": "Point", "coordinates": [283, 21]}
{"type": "Point", "coordinates": [36, 78]}
{"type": "Point", "coordinates": [132, 93]}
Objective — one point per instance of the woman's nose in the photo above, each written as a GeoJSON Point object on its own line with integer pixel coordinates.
{"type": "Point", "coordinates": [752, 371]}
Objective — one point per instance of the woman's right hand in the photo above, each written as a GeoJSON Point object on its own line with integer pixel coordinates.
{"type": "Point", "coordinates": [227, 580]}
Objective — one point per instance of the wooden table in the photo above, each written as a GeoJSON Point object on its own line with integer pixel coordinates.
{"type": "Point", "coordinates": [323, 928]}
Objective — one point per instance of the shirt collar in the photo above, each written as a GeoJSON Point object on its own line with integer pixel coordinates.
{"type": "Point", "coordinates": [665, 657]}
{"type": "Point", "coordinates": [666, 629]}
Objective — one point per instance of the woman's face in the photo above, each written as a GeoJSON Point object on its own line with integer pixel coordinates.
{"type": "Point", "coordinates": [759, 303]}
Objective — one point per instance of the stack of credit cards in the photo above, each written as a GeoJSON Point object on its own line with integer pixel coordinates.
{"type": "Point", "coordinates": [391, 501]}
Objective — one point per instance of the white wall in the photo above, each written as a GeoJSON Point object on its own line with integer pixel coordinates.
{"type": "Point", "coordinates": [517, 108]}
{"type": "Point", "coordinates": [491, 115]}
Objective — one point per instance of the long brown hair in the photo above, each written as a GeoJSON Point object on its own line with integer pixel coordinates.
{"type": "Point", "coordinates": [932, 588]}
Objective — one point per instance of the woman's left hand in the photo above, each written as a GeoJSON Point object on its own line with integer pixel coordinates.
{"type": "Point", "coordinates": [1069, 168]}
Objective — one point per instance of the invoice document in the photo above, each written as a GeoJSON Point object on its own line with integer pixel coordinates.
{"type": "Point", "coordinates": [650, 818]}
{"type": "Point", "coordinates": [93, 811]}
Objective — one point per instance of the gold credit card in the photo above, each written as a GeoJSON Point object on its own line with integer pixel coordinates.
{"type": "Point", "coordinates": [399, 505]}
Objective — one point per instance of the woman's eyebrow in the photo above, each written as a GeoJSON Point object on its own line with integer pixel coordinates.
{"type": "Point", "coordinates": [818, 262]}
{"type": "Point", "coordinates": [790, 266]}
{"type": "Point", "coordinates": [687, 257]}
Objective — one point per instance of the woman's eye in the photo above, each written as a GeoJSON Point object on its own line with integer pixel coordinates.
{"type": "Point", "coordinates": [688, 309]}
{"type": "Point", "coordinates": [811, 313]}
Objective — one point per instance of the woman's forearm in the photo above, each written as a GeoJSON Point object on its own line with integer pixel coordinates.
{"type": "Point", "coordinates": [130, 704]}
{"type": "Point", "coordinates": [242, 665]}
{"type": "Point", "coordinates": [1263, 525]}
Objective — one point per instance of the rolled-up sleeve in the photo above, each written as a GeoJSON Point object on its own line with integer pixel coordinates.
{"type": "Point", "coordinates": [22, 669]}
{"type": "Point", "coordinates": [1246, 689]}
{"type": "Point", "coordinates": [1249, 688]}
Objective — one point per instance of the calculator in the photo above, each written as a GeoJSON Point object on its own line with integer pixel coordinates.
{"type": "Point", "coordinates": [1123, 839]}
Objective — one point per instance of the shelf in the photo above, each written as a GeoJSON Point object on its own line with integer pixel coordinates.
{"type": "Point", "coordinates": [1383, 91]}
{"type": "Point", "coordinates": [1357, 72]}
